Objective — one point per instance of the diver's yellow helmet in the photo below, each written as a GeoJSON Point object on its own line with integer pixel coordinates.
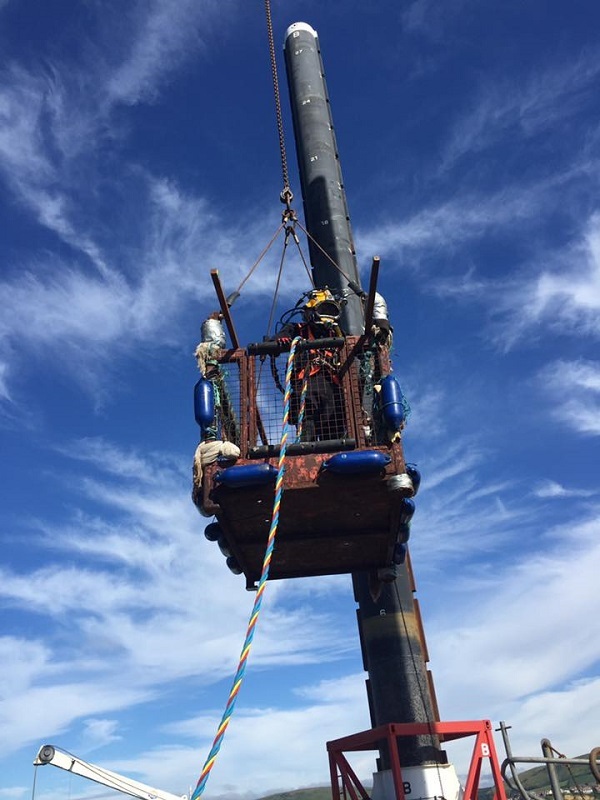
{"type": "Point", "coordinates": [322, 308]}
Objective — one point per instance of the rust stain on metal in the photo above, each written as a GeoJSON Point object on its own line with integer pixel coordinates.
{"type": "Point", "coordinates": [391, 624]}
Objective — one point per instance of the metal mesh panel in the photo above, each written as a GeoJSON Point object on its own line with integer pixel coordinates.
{"type": "Point", "coordinates": [318, 417]}
{"type": "Point", "coordinates": [249, 399]}
{"type": "Point", "coordinates": [269, 397]}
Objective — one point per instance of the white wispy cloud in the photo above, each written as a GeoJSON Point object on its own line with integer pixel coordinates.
{"type": "Point", "coordinates": [431, 19]}
{"type": "Point", "coordinates": [503, 660]}
{"type": "Point", "coordinates": [564, 295]}
{"type": "Point", "coordinates": [139, 601]}
{"type": "Point", "coordinates": [23, 661]}
{"type": "Point", "coordinates": [568, 716]}
{"type": "Point", "coordinates": [259, 745]}
{"type": "Point", "coordinates": [4, 372]}
{"type": "Point", "coordinates": [111, 459]}
{"type": "Point", "coordinates": [550, 489]}
{"type": "Point", "coordinates": [29, 161]}
{"type": "Point", "coordinates": [447, 227]}
{"type": "Point", "coordinates": [99, 732]}
{"type": "Point", "coordinates": [575, 388]}
{"type": "Point", "coordinates": [54, 707]}
{"type": "Point", "coordinates": [22, 149]}
{"type": "Point", "coordinates": [165, 34]}
{"type": "Point", "coordinates": [555, 290]}
{"type": "Point", "coordinates": [464, 517]}
{"type": "Point", "coordinates": [57, 114]}
{"type": "Point", "coordinates": [136, 583]}
{"type": "Point", "coordinates": [78, 321]}
{"type": "Point", "coordinates": [510, 647]}
{"type": "Point", "coordinates": [130, 627]}
{"type": "Point", "coordinates": [466, 511]}
{"type": "Point", "coordinates": [523, 110]}
{"type": "Point", "coordinates": [427, 404]}
{"type": "Point", "coordinates": [546, 286]}
{"type": "Point", "coordinates": [56, 118]}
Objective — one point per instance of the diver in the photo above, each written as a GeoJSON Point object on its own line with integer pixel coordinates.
{"type": "Point", "coordinates": [316, 370]}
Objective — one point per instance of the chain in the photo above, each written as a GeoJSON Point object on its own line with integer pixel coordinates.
{"type": "Point", "coordinates": [286, 193]}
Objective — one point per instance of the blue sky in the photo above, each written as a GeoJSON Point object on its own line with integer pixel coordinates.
{"type": "Point", "coordinates": [138, 150]}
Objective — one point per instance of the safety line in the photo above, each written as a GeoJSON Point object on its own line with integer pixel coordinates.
{"type": "Point", "coordinates": [239, 675]}
{"type": "Point", "coordinates": [420, 678]}
{"type": "Point", "coordinates": [302, 410]}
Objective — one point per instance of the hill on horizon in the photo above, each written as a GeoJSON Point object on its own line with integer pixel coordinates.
{"type": "Point", "coordinates": [535, 779]}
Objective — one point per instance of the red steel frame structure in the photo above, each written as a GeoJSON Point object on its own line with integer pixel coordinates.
{"type": "Point", "coordinates": [345, 783]}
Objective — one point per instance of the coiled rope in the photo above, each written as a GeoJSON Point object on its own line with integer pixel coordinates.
{"type": "Point", "coordinates": [239, 675]}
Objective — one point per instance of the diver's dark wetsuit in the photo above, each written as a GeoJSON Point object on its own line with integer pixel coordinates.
{"type": "Point", "coordinates": [323, 416]}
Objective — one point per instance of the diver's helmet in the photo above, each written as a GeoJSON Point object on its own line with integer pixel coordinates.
{"type": "Point", "coordinates": [322, 308]}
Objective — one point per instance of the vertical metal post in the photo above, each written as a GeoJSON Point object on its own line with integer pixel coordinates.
{"type": "Point", "coordinates": [551, 767]}
{"type": "Point", "coordinates": [393, 650]}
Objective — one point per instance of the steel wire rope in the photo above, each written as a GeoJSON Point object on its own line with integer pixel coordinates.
{"type": "Point", "coordinates": [259, 259]}
{"type": "Point", "coordinates": [422, 692]}
{"type": "Point", "coordinates": [580, 791]}
{"type": "Point", "coordinates": [569, 770]}
{"type": "Point", "coordinates": [288, 232]}
{"type": "Point", "coordinates": [272, 311]}
{"type": "Point", "coordinates": [301, 254]}
{"type": "Point", "coordinates": [325, 253]}
{"type": "Point", "coordinates": [35, 771]}
{"type": "Point", "coordinates": [278, 281]}
{"type": "Point", "coordinates": [243, 660]}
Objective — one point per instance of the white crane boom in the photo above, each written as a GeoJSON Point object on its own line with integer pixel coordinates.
{"type": "Point", "coordinates": [48, 754]}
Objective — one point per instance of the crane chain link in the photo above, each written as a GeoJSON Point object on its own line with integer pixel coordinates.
{"type": "Point", "coordinates": [286, 193]}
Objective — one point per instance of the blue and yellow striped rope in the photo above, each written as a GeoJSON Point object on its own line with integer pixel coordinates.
{"type": "Point", "coordinates": [239, 675]}
{"type": "Point", "coordinates": [302, 410]}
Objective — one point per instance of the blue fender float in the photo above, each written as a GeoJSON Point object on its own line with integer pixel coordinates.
{"type": "Point", "coordinates": [357, 462]}
{"type": "Point", "coordinates": [392, 403]}
{"type": "Point", "coordinates": [246, 475]}
{"type": "Point", "coordinates": [415, 476]}
{"type": "Point", "coordinates": [204, 403]}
